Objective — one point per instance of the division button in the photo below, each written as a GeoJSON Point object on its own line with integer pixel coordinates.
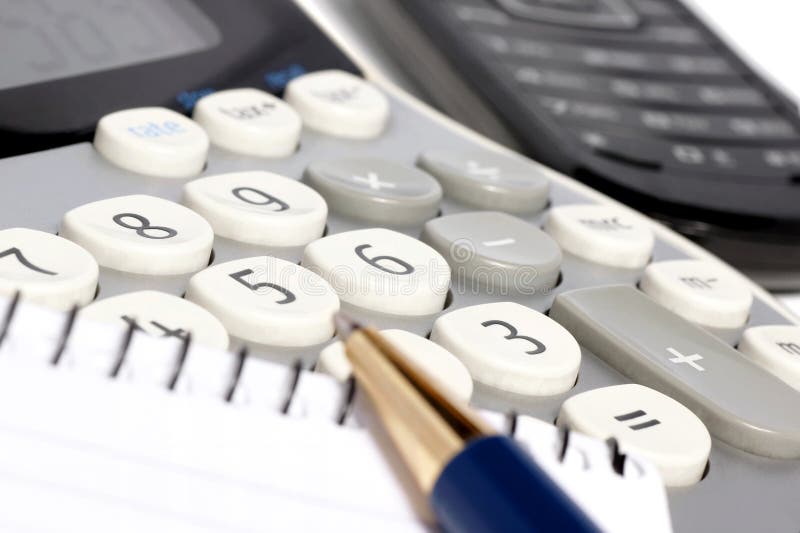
{"type": "Point", "coordinates": [258, 208]}
{"type": "Point", "coordinates": [738, 401]}
{"type": "Point", "coordinates": [511, 348]}
{"type": "Point", "coordinates": [376, 190]}
{"type": "Point", "coordinates": [700, 291]}
{"type": "Point", "coordinates": [339, 104]}
{"type": "Point", "coordinates": [46, 269]}
{"type": "Point", "coordinates": [160, 315]}
{"type": "Point", "coordinates": [496, 251]}
{"type": "Point", "coordinates": [153, 141]}
{"type": "Point", "coordinates": [429, 356]}
{"type": "Point", "coordinates": [776, 349]}
{"type": "Point", "coordinates": [249, 121]}
{"type": "Point", "coordinates": [141, 234]}
{"type": "Point", "coordinates": [602, 234]}
{"type": "Point", "coordinates": [488, 180]}
{"type": "Point", "coordinates": [382, 270]}
{"type": "Point", "coordinates": [647, 423]}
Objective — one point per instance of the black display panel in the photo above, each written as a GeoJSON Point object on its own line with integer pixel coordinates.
{"type": "Point", "coordinates": [213, 45]}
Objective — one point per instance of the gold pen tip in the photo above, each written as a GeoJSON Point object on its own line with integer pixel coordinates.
{"type": "Point", "coordinates": [345, 325]}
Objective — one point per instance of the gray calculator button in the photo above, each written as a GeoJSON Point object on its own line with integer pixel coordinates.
{"type": "Point", "coordinates": [739, 402]}
{"type": "Point", "coordinates": [497, 251]}
{"type": "Point", "coordinates": [376, 190]}
{"type": "Point", "coordinates": [488, 180]}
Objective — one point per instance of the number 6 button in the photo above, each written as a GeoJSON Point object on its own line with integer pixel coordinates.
{"type": "Point", "coordinates": [267, 300]}
{"type": "Point", "coordinates": [141, 234]}
{"type": "Point", "coordinates": [46, 269]}
{"type": "Point", "coordinates": [382, 270]}
{"type": "Point", "coordinates": [511, 348]}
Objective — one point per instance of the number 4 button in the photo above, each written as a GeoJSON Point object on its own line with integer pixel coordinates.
{"type": "Point", "coordinates": [511, 348]}
{"type": "Point", "coordinates": [141, 234]}
{"type": "Point", "coordinates": [46, 269]}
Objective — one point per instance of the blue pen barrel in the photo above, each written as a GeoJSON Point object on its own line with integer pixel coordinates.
{"type": "Point", "coordinates": [494, 486]}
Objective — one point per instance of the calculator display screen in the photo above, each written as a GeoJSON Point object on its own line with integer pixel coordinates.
{"type": "Point", "coordinates": [43, 40]}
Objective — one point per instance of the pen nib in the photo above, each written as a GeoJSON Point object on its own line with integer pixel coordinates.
{"type": "Point", "coordinates": [344, 325]}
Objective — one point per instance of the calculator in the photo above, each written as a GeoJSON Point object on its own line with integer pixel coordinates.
{"type": "Point", "coordinates": [637, 98]}
{"type": "Point", "coordinates": [241, 182]}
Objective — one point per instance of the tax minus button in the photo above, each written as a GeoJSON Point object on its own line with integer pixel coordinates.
{"type": "Point", "coordinates": [153, 141]}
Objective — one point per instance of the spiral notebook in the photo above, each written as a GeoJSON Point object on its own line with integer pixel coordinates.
{"type": "Point", "coordinates": [108, 429]}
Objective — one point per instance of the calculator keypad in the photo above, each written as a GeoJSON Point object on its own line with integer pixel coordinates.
{"type": "Point", "coordinates": [381, 270]}
{"type": "Point", "coordinates": [46, 269]}
{"type": "Point", "coordinates": [338, 103]}
{"type": "Point", "coordinates": [647, 423]}
{"type": "Point", "coordinates": [258, 207]}
{"type": "Point", "coordinates": [511, 348]}
{"type": "Point", "coordinates": [141, 234]}
{"type": "Point", "coordinates": [249, 121]}
{"type": "Point", "coordinates": [376, 190]}
{"type": "Point", "coordinates": [267, 300]}
{"type": "Point", "coordinates": [153, 141]}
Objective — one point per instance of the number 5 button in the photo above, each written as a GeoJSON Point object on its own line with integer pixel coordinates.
{"type": "Point", "coordinates": [141, 234]}
{"type": "Point", "coordinates": [382, 270]}
{"type": "Point", "coordinates": [267, 300]}
{"type": "Point", "coordinates": [259, 208]}
{"type": "Point", "coordinates": [511, 348]}
{"type": "Point", "coordinates": [46, 269]}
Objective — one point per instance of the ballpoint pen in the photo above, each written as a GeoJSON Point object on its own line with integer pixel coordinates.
{"type": "Point", "coordinates": [476, 480]}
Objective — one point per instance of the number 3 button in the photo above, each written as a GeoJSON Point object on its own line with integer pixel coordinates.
{"type": "Point", "coordinates": [267, 300]}
{"type": "Point", "coordinates": [511, 348]}
{"type": "Point", "coordinates": [141, 234]}
{"type": "Point", "coordinates": [382, 270]}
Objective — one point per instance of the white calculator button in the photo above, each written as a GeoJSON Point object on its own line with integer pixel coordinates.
{"type": "Point", "coordinates": [601, 234]}
{"type": "Point", "coordinates": [382, 270]}
{"type": "Point", "coordinates": [141, 234]}
{"type": "Point", "coordinates": [47, 269]}
{"type": "Point", "coordinates": [776, 349]}
{"type": "Point", "coordinates": [153, 141]}
{"type": "Point", "coordinates": [511, 347]}
{"type": "Point", "coordinates": [430, 357]}
{"type": "Point", "coordinates": [259, 208]}
{"type": "Point", "coordinates": [646, 423]}
{"type": "Point", "coordinates": [700, 291]}
{"type": "Point", "coordinates": [267, 301]}
{"type": "Point", "coordinates": [249, 121]}
{"type": "Point", "coordinates": [160, 315]}
{"type": "Point", "coordinates": [339, 103]}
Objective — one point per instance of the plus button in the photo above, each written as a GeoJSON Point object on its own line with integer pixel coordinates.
{"type": "Point", "coordinates": [374, 182]}
{"type": "Point", "coordinates": [688, 359]}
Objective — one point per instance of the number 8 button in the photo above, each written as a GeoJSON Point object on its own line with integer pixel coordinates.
{"type": "Point", "coordinates": [510, 347]}
{"type": "Point", "coordinates": [141, 234]}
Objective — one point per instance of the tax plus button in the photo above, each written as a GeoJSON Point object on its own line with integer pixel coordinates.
{"type": "Point", "coordinates": [153, 141]}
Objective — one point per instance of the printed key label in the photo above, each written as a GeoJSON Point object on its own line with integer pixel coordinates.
{"type": "Point", "coordinates": [513, 334]}
{"type": "Point", "coordinates": [153, 130]}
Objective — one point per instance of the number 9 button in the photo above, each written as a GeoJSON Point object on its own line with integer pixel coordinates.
{"type": "Point", "coordinates": [267, 301]}
{"type": "Point", "coordinates": [510, 347]}
{"type": "Point", "coordinates": [382, 270]}
{"type": "Point", "coordinates": [141, 234]}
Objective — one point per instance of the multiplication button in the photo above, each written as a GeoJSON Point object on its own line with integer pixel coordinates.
{"type": "Point", "coordinates": [267, 300]}
{"type": "Point", "coordinates": [339, 103]}
{"type": "Point", "coordinates": [496, 251]}
{"type": "Point", "coordinates": [249, 121]}
{"type": "Point", "coordinates": [601, 234]}
{"type": "Point", "coordinates": [382, 270]}
{"type": "Point", "coordinates": [258, 208]}
{"type": "Point", "coordinates": [141, 234]}
{"type": "Point", "coordinates": [488, 180]}
{"type": "Point", "coordinates": [46, 269]}
{"type": "Point", "coordinates": [154, 141]}
{"type": "Point", "coordinates": [775, 349]}
{"type": "Point", "coordinates": [700, 291]}
{"type": "Point", "coordinates": [511, 347]}
{"type": "Point", "coordinates": [160, 315]}
{"type": "Point", "coordinates": [376, 190]}
{"type": "Point", "coordinates": [647, 423]}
